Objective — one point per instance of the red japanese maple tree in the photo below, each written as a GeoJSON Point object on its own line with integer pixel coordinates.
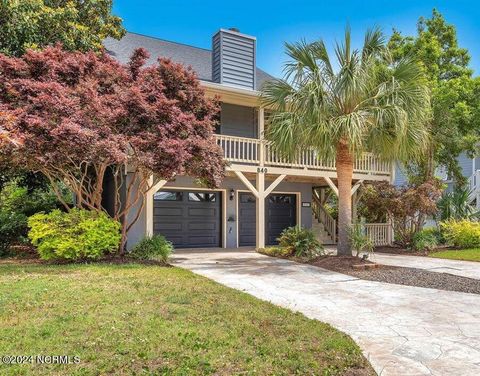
{"type": "Point", "coordinates": [78, 117]}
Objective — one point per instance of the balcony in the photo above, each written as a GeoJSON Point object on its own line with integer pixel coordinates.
{"type": "Point", "coordinates": [249, 151]}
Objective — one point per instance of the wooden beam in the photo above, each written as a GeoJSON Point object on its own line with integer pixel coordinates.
{"type": "Point", "coordinates": [155, 187]}
{"type": "Point", "coordinates": [149, 204]}
{"type": "Point", "coordinates": [295, 172]}
{"type": "Point", "coordinates": [247, 183]}
{"type": "Point", "coordinates": [331, 185]}
{"type": "Point", "coordinates": [275, 183]}
{"type": "Point", "coordinates": [260, 211]}
{"type": "Point", "coordinates": [356, 186]}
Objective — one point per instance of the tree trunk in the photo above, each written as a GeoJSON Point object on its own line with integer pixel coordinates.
{"type": "Point", "coordinates": [344, 165]}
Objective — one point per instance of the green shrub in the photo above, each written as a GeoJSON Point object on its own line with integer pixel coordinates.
{"type": "Point", "coordinates": [300, 242]}
{"type": "Point", "coordinates": [275, 251]}
{"type": "Point", "coordinates": [152, 248]}
{"type": "Point", "coordinates": [17, 203]}
{"type": "Point", "coordinates": [461, 233]}
{"type": "Point", "coordinates": [426, 239]}
{"type": "Point", "coordinates": [11, 227]}
{"type": "Point", "coordinates": [359, 240]}
{"type": "Point", "coordinates": [76, 235]}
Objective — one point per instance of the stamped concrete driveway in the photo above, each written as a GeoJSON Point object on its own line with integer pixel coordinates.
{"type": "Point", "coordinates": [402, 330]}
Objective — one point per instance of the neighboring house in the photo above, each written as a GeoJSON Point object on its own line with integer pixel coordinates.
{"type": "Point", "coordinates": [470, 168]}
{"type": "Point", "coordinates": [262, 193]}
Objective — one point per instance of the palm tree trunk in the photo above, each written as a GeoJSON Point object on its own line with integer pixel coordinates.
{"type": "Point", "coordinates": [344, 165]}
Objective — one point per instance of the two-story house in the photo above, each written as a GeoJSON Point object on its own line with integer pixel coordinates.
{"type": "Point", "coordinates": [262, 193]}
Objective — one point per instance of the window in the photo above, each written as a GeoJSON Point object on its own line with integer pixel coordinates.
{"type": "Point", "coordinates": [247, 198]}
{"type": "Point", "coordinates": [168, 196]}
{"type": "Point", "coordinates": [279, 199]}
{"type": "Point", "coordinates": [202, 197]}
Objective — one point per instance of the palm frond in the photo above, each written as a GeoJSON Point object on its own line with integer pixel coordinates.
{"type": "Point", "coordinates": [370, 105]}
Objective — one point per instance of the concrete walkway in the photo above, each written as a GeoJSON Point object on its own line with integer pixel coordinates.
{"type": "Point", "coordinates": [470, 269]}
{"type": "Point", "coordinates": [402, 330]}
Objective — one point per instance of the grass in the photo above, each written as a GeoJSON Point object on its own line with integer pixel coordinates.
{"type": "Point", "coordinates": [145, 320]}
{"type": "Point", "coordinates": [472, 254]}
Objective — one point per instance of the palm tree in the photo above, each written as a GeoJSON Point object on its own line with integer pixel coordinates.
{"type": "Point", "coordinates": [364, 104]}
{"type": "Point", "coordinates": [457, 205]}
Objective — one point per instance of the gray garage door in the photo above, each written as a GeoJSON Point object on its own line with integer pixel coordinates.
{"type": "Point", "coordinates": [280, 213]}
{"type": "Point", "coordinates": [189, 219]}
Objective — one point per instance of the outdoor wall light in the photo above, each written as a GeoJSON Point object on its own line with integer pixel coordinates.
{"type": "Point", "coordinates": [232, 194]}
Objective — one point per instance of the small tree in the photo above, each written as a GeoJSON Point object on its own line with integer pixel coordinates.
{"type": "Point", "coordinates": [78, 25]}
{"type": "Point", "coordinates": [82, 117]}
{"type": "Point", "coordinates": [408, 206]}
{"type": "Point", "coordinates": [455, 104]}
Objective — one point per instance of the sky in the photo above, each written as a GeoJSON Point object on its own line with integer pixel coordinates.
{"type": "Point", "coordinates": [277, 22]}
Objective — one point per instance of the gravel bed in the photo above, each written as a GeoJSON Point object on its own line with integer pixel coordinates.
{"type": "Point", "coordinates": [400, 275]}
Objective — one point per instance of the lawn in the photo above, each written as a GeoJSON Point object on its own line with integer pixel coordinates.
{"type": "Point", "coordinates": [136, 319]}
{"type": "Point", "coordinates": [472, 254]}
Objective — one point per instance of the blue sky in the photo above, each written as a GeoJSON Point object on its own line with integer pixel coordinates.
{"type": "Point", "coordinates": [274, 22]}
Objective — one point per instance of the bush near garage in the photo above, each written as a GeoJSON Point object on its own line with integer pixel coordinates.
{"type": "Point", "coordinates": [74, 235]}
{"type": "Point", "coordinates": [300, 242]}
{"type": "Point", "coordinates": [154, 247]}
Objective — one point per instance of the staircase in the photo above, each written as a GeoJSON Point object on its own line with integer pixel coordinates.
{"type": "Point", "coordinates": [323, 225]}
{"type": "Point", "coordinates": [320, 231]}
{"type": "Point", "coordinates": [474, 184]}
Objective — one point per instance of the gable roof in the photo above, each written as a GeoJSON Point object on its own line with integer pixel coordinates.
{"type": "Point", "coordinates": [199, 59]}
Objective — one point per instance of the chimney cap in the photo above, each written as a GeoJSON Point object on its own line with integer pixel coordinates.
{"type": "Point", "coordinates": [235, 31]}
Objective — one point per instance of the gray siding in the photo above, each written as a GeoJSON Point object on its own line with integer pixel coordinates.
{"type": "Point", "coordinates": [238, 121]}
{"type": "Point", "coordinates": [466, 164]}
{"type": "Point", "coordinates": [138, 230]}
{"type": "Point", "coordinates": [400, 177]}
{"type": "Point", "coordinates": [233, 59]}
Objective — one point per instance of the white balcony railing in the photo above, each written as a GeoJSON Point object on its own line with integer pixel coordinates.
{"type": "Point", "coordinates": [240, 149]}
{"type": "Point", "coordinates": [249, 151]}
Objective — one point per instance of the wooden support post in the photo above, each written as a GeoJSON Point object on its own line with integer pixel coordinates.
{"type": "Point", "coordinates": [354, 207]}
{"type": "Point", "coordinates": [260, 212]}
{"type": "Point", "coordinates": [261, 134]}
{"type": "Point", "coordinates": [390, 233]}
{"type": "Point", "coordinates": [154, 187]}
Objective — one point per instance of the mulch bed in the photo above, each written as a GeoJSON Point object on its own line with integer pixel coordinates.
{"type": "Point", "coordinates": [398, 275]}
{"type": "Point", "coordinates": [409, 252]}
{"type": "Point", "coordinates": [400, 251]}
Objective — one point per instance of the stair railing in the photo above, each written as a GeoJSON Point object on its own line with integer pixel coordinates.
{"type": "Point", "coordinates": [325, 218]}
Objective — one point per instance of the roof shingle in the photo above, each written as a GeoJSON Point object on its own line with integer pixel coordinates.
{"type": "Point", "coordinates": [199, 59]}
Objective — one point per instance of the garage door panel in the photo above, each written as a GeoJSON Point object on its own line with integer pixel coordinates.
{"type": "Point", "coordinates": [248, 226]}
{"type": "Point", "coordinates": [203, 240]}
{"type": "Point", "coordinates": [202, 212]}
{"type": "Point", "coordinates": [168, 226]}
{"type": "Point", "coordinates": [167, 211]}
{"type": "Point", "coordinates": [194, 220]}
{"type": "Point", "coordinates": [202, 226]}
{"type": "Point", "coordinates": [280, 213]}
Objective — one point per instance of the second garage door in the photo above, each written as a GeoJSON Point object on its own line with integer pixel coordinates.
{"type": "Point", "coordinates": [280, 213]}
{"type": "Point", "coordinates": [189, 219]}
